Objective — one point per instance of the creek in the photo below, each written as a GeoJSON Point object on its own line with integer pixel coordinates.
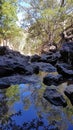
{"type": "Point", "coordinates": [22, 107]}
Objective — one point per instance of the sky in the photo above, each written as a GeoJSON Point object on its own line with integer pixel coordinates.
{"type": "Point", "coordinates": [20, 14]}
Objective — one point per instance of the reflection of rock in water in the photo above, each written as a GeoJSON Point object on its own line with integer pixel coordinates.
{"type": "Point", "coordinates": [3, 104]}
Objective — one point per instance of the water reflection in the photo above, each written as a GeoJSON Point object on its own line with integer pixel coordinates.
{"type": "Point", "coordinates": [22, 107]}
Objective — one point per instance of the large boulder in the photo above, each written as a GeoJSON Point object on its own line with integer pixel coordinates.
{"type": "Point", "coordinates": [6, 82]}
{"type": "Point", "coordinates": [69, 93]}
{"type": "Point", "coordinates": [67, 52]}
{"type": "Point", "coordinates": [65, 69]}
{"type": "Point", "coordinates": [44, 66]}
{"type": "Point", "coordinates": [54, 97]}
{"type": "Point", "coordinates": [12, 62]}
{"type": "Point", "coordinates": [51, 58]}
{"type": "Point", "coordinates": [51, 79]}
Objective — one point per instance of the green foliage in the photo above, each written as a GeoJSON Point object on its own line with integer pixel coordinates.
{"type": "Point", "coordinates": [8, 18]}
{"type": "Point", "coordinates": [47, 19]}
{"type": "Point", "coordinates": [13, 94]}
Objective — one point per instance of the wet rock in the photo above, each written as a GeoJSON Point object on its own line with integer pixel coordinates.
{"type": "Point", "coordinates": [35, 58]}
{"type": "Point", "coordinates": [54, 97]}
{"type": "Point", "coordinates": [67, 52]}
{"type": "Point", "coordinates": [69, 93]}
{"type": "Point", "coordinates": [65, 69]}
{"type": "Point", "coordinates": [17, 79]}
{"type": "Point", "coordinates": [51, 79]}
{"type": "Point", "coordinates": [45, 66]}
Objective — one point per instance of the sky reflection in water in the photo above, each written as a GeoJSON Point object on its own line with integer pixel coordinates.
{"type": "Point", "coordinates": [23, 107]}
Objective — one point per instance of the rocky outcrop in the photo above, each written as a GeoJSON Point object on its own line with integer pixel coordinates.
{"type": "Point", "coordinates": [51, 58]}
{"type": "Point", "coordinates": [35, 58]}
{"type": "Point", "coordinates": [6, 82]}
{"type": "Point", "coordinates": [54, 97]}
{"type": "Point", "coordinates": [67, 53]}
{"type": "Point", "coordinates": [45, 66]}
{"type": "Point", "coordinates": [65, 69]}
{"type": "Point", "coordinates": [12, 62]}
{"type": "Point", "coordinates": [51, 79]}
{"type": "Point", "coordinates": [69, 93]}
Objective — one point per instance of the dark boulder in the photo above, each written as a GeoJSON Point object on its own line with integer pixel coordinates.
{"type": "Point", "coordinates": [65, 69]}
{"type": "Point", "coordinates": [69, 93]}
{"type": "Point", "coordinates": [51, 79]}
{"type": "Point", "coordinates": [17, 79]}
{"type": "Point", "coordinates": [44, 66]}
{"type": "Point", "coordinates": [31, 68]}
{"type": "Point", "coordinates": [67, 52]}
{"type": "Point", "coordinates": [35, 58]}
{"type": "Point", "coordinates": [3, 50]}
{"type": "Point", "coordinates": [12, 62]}
{"type": "Point", "coordinates": [50, 58]}
{"type": "Point", "coordinates": [45, 57]}
{"type": "Point", "coordinates": [54, 97]}
{"type": "Point", "coordinates": [5, 71]}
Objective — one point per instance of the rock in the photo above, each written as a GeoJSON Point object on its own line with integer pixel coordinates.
{"type": "Point", "coordinates": [32, 68]}
{"type": "Point", "coordinates": [54, 97]}
{"type": "Point", "coordinates": [69, 93]}
{"type": "Point", "coordinates": [12, 62]}
{"type": "Point", "coordinates": [51, 79]}
{"type": "Point", "coordinates": [52, 48]}
{"type": "Point", "coordinates": [65, 69]}
{"type": "Point", "coordinates": [5, 71]}
{"type": "Point", "coordinates": [3, 50]}
{"type": "Point", "coordinates": [56, 55]}
{"type": "Point", "coordinates": [35, 58]}
{"type": "Point", "coordinates": [67, 52]}
{"type": "Point", "coordinates": [45, 57]}
{"type": "Point", "coordinates": [19, 69]}
{"type": "Point", "coordinates": [17, 79]}
{"type": "Point", "coordinates": [45, 66]}
{"type": "Point", "coordinates": [4, 85]}
{"type": "Point", "coordinates": [50, 58]}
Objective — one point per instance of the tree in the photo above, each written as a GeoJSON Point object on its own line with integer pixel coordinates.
{"type": "Point", "coordinates": [46, 19]}
{"type": "Point", "coordinates": [8, 18]}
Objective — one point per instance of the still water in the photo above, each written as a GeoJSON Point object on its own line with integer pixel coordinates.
{"type": "Point", "coordinates": [22, 107]}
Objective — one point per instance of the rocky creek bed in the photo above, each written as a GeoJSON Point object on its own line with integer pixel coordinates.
{"type": "Point", "coordinates": [36, 93]}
